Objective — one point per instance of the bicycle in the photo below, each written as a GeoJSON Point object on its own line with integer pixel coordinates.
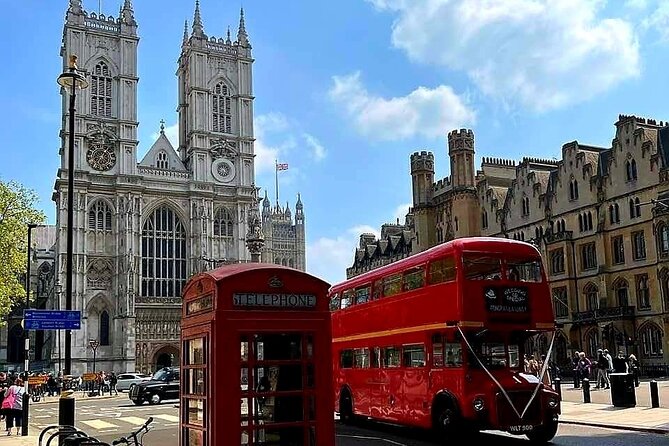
{"type": "Point", "coordinates": [135, 438]}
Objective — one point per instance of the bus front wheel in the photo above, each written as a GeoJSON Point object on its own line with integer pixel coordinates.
{"type": "Point", "coordinates": [346, 407]}
{"type": "Point", "coordinates": [446, 422]}
{"type": "Point", "coordinates": [544, 433]}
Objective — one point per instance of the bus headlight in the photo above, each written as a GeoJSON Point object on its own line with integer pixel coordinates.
{"type": "Point", "coordinates": [552, 403]}
{"type": "Point", "coordinates": [478, 404]}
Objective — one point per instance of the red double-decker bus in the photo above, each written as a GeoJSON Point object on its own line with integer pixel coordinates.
{"type": "Point", "coordinates": [437, 340]}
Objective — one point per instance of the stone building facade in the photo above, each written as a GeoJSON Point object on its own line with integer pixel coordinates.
{"type": "Point", "coordinates": [599, 215]}
{"type": "Point", "coordinates": [141, 229]}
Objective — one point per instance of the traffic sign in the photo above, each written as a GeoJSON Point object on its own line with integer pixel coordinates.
{"type": "Point", "coordinates": [51, 320]}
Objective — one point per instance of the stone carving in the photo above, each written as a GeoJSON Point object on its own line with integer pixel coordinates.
{"type": "Point", "coordinates": [223, 148]}
{"type": "Point", "coordinates": [99, 275]}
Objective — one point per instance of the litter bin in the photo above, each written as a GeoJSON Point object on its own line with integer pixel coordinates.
{"type": "Point", "coordinates": [622, 390]}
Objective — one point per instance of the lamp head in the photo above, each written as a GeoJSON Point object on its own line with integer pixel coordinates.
{"type": "Point", "coordinates": [72, 77]}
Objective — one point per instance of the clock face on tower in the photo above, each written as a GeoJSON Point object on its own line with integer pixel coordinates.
{"type": "Point", "coordinates": [223, 170]}
{"type": "Point", "coordinates": [101, 157]}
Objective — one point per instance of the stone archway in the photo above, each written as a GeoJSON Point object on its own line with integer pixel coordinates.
{"type": "Point", "coordinates": [166, 356]}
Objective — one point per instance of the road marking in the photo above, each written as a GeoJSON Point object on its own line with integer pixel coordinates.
{"type": "Point", "coordinates": [137, 421]}
{"type": "Point", "coordinates": [166, 417]}
{"type": "Point", "coordinates": [99, 424]}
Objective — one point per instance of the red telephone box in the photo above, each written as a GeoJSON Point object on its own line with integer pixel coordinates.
{"type": "Point", "coordinates": [256, 358]}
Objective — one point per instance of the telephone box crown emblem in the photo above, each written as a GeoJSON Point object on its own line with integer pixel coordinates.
{"type": "Point", "coordinates": [275, 282]}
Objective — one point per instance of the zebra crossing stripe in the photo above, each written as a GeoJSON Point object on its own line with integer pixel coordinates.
{"type": "Point", "coordinates": [137, 421]}
{"type": "Point", "coordinates": [166, 417]}
{"type": "Point", "coordinates": [98, 424]}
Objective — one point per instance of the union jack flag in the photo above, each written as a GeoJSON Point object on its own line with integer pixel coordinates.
{"type": "Point", "coordinates": [282, 166]}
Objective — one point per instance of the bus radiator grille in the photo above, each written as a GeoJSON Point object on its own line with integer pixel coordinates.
{"type": "Point", "coordinates": [506, 416]}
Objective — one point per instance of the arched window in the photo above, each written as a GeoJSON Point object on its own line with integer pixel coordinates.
{"type": "Point", "coordinates": [591, 297]}
{"type": "Point", "coordinates": [622, 292]}
{"type": "Point", "coordinates": [291, 263]}
{"type": "Point", "coordinates": [651, 340]}
{"type": "Point", "coordinates": [222, 116]}
{"type": "Point", "coordinates": [663, 239]}
{"type": "Point", "coordinates": [162, 162]}
{"type": "Point", "coordinates": [580, 222]}
{"type": "Point", "coordinates": [592, 341]}
{"type": "Point", "coordinates": [484, 220]}
{"type": "Point", "coordinates": [642, 292]}
{"type": "Point", "coordinates": [101, 91]}
{"type": "Point", "coordinates": [589, 221]}
{"type": "Point", "coordinates": [456, 223]}
{"type": "Point", "coordinates": [104, 328]}
{"type": "Point", "coordinates": [637, 207]}
{"type": "Point", "coordinates": [526, 206]}
{"type": "Point", "coordinates": [100, 216]}
{"type": "Point", "coordinates": [616, 209]}
{"type": "Point", "coordinates": [163, 254]}
{"type": "Point", "coordinates": [223, 223]}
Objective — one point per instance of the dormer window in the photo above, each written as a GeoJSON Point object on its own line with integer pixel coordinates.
{"type": "Point", "coordinates": [526, 206]}
{"type": "Point", "coordinates": [630, 170]}
{"type": "Point", "coordinates": [573, 190]}
{"type": "Point", "coordinates": [162, 161]}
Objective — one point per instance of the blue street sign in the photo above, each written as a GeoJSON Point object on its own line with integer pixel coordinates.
{"type": "Point", "coordinates": [51, 320]}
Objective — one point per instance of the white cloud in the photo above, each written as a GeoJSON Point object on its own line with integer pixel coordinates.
{"type": "Point", "coordinates": [636, 4]}
{"type": "Point", "coordinates": [401, 212]}
{"type": "Point", "coordinates": [542, 54]}
{"type": "Point", "coordinates": [658, 20]}
{"type": "Point", "coordinates": [277, 136]}
{"type": "Point", "coordinates": [172, 133]}
{"type": "Point", "coordinates": [318, 152]}
{"type": "Point", "coordinates": [328, 258]}
{"type": "Point", "coordinates": [424, 111]}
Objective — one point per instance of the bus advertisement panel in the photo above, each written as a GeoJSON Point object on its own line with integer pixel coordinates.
{"type": "Point", "coordinates": [438, 340]}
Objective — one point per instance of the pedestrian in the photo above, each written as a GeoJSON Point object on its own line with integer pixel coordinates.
{"type": "Point", "coordinates": [620, 364]}
{"type": "Point", "coordinates": [113, 380]}
{"type": "Point", "coordinates": [634, 368]}
{"type": "Point", "coordinates": [13, 406]}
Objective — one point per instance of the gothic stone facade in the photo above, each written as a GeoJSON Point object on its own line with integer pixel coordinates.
{"type": "Point", "coordinates": [600, 216]}
{"type": "Point", "coordinates": [141, 229]}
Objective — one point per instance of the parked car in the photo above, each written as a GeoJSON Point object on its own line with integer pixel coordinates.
{"type": "Point", "coordinates": [163, 385]}
{"type": "Point", "coordinates": [127, 380]}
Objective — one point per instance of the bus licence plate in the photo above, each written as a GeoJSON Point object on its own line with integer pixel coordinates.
{"type": "Point", "coordinates": [521, 428]}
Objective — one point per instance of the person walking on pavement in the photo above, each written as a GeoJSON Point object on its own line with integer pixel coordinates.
{"type": "Point", "coordinates": [13, 405]}
{"type": "Point", "coordinates": [620, 364]}
{"type": "Point", "coordinates": [113, 380]}
{"type": "Point", "coordinates": [634, 367]}
{"type": "Point", "coordinates": [602, 371]}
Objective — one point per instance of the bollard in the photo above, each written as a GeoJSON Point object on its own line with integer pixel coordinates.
{"type": "Point", "coordinates": [558, 383]}
{"type": "Point", "coordinates": [586, 390]}
{"type": "Point", "coordinates": [26, 408]}
{"type": "Point", "coordinates": [654, 395]}
{"type": "Point", "coordinates": [576, 380]}
{"type": "Point", "coordinates": [65, 411]}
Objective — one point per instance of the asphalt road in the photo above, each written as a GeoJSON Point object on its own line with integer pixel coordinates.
{"type": "Point", "coordinates": [108, 419]}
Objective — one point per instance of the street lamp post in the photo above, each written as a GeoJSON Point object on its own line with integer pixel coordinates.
{"type": "Point", "coordinates": [72, 80]}
{"type": "Point", "coordinates": [26, 339]}
{"type": "Point", "coordinates": [94, 344]}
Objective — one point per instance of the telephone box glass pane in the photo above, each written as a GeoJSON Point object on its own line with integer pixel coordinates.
{"type": "Point", "coordinates": [277, 378]}
{"type": "Point", "coordinates": [244, 349]}
{"type": "Point", "coordinates": [310, 346]}
{"type": "Point", "coordinates": [310, 376]}
{"type": "Point", "coordinates": [195, 382]}
{"type": "Point", "coordinates": [293, 436]}
{"type": "Point", "coordinates": [312, 408]}
{"type": "Point", "coordinates": [194, 437]}
{"type": "Point", "coordinates": [196, 354]}
{"type": "Point", "coordinates": [195, 410]}
{"type": "Point", "coordinates": [312, 436]}
{"type": "Point", "coordinates": [280, 346]}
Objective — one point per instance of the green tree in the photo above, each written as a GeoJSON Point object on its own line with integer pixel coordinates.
{"type": "Point", "coordinates": [17, 210]}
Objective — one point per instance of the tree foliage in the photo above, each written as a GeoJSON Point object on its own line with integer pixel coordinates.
{"type": "Point", "coordinates": [17, 210]}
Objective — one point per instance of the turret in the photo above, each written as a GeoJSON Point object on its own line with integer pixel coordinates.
{"type": "Point", "coordinates": [127, 14]}
{"type": "Point", "coordinates": [299, 211]}
{"type": "Point", "coordinates": [198, 27]}
{"type": "Point", "coordinates": [461, 152]}
{"type": "Point", "coordinates": [422, 175]}
{"type": "Point", "coordinates": [242, 37]}
{"type": "Point", "coordinates": [287, 213]}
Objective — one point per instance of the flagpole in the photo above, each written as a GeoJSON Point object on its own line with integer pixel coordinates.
{"type": "Point", "coordinates": [276, 174]}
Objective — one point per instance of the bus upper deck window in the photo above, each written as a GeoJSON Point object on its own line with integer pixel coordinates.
{"type": "Point", "coordinates": [362, 295]}
{"type": "Point", "coordinates": [524, 271]}
{"type": "Point", "coordinates": [334, 302]}
{"type": "Point", "coordinates": [442, 270]}
{"type": "Point", "coordinates": [481, 267]}
{"type": "Point", "coordinates": [347, 298]}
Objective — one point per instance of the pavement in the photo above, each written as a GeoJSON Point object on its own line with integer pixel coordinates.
{"type": "Point", "coordinates": [598, 413]}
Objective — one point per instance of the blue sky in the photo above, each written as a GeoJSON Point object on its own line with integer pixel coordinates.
{"type": "Point", "coordinates": [346, 90]}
